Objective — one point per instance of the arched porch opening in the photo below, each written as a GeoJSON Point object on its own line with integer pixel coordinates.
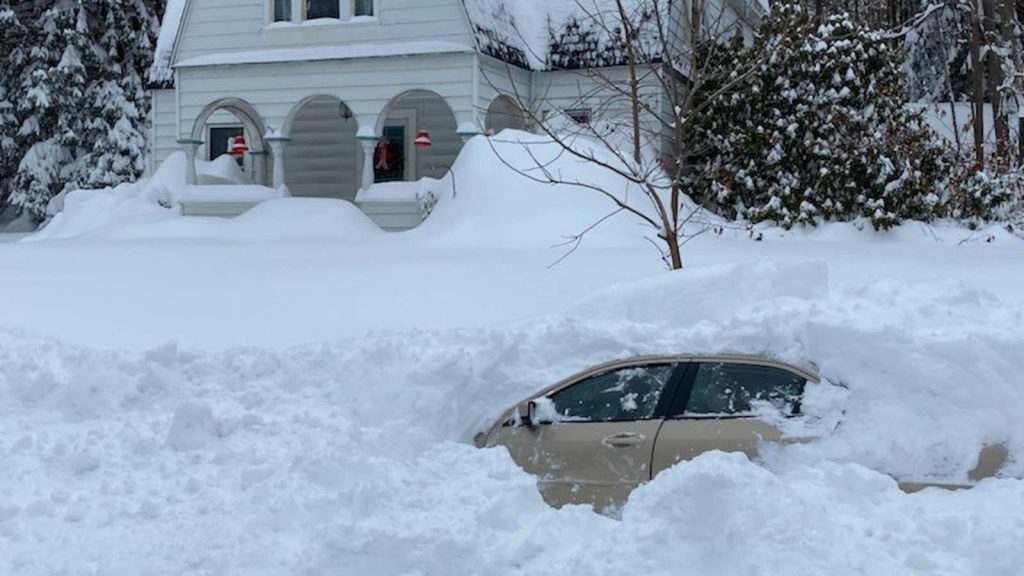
{"type": "Point", "coordinates": [218, 126]}
{"type": "Point", "coordinates": [504, 114]}
{"type": "Point", "coordinates": [396, 157]}
{"type": "Point", "coordinates": [322, 158]}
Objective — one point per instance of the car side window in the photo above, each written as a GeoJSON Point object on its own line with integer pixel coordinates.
{"type": "Point", "coordinates": [733, 390]}
{"type": "Point", "coordinates": [624, 394]}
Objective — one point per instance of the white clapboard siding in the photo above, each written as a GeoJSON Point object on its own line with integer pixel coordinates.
{"type": "Point", "coordinates": [323, 157]}
{"type": "Point", "coordinates": [164, 134]}
{"type": "Point", "coordinates": [276, 90]}
{"type": "Point", "coordinates": [217, 26]}
{"type": "Point", "coordinates": [572, 89]}
{"type": "Point", "coordinates": [496, 79]}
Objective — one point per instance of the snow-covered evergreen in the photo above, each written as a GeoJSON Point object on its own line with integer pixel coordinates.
{"type": "Point", "coordinates": [935, 61]}
{"type": "Point", "coordinates": [819, 131]}
{"type": "Point", "coordinates": [12, 61]}
{"type": "Point", "coordinates": [79, 100]}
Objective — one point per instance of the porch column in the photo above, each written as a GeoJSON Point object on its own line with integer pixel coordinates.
{"type": "Point", "coordinates": [369, 144]}
{"type": "Point", "coordinates": [468, 125]}
{"type": "Point", "coordinates": [277, 145]}
{"type": "Point", "coordinates": [467, 132]}
{"type": "Point", "coordinates": [259, 167]}
{"type": "Point", "coordinates": [191, 148]}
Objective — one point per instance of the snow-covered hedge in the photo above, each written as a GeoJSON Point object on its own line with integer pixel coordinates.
{"type": "Point", "coordinates": [817, 129]}
{"type": "Point", "coordinates": [976, 196]}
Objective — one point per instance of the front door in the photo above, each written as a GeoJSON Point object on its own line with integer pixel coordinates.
{"type": "Point", "coordinates": [718, 407]}
{"type": "Point", "coordinates": [389, 158]}
{"type": "Point", "coordinates": [596, 445]}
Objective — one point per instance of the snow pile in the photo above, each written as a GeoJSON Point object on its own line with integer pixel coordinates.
{"type": "Point", "coordinates": [100, 216]}
{"type": "Point", "coordinates": [489, 193]}
{"type": "Point", "coordinates": [144, 209]}
{"type": "Point", "coordinates": [353, 457]}
{"type": "Point", "coordinates": [496, 191]}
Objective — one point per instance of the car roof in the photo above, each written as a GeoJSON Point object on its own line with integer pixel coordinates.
{"type": "Point", "coordinates": [679, 358]}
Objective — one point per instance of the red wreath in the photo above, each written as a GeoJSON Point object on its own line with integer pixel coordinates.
{"type": "Point", "coordinates": [383, 155]}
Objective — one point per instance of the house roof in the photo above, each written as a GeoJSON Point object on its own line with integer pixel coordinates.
{"type": "Point", "coordinates": [560, 34]}
{"type": "Point", "coordinates": [533, 34]}
{"type": "Point", "coordinates": [161, 73]}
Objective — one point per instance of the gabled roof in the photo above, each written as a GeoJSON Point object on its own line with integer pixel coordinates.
{"type": "Point", "coordinates": [161, 73]}
{"type": "Point", "coordinates": [533, 34]}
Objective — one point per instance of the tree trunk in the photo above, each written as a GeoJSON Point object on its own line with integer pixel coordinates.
{"type": "Point", "coordinates": [634, 83]}
{"type": "Point", "coordinates": [674, 253]}
{"type": "Point", "coordinates": [977, 85]}
{"type": "Point", "coordinates": [995, 77]}
{"type": "Point", "coordinates": [1009, 31]}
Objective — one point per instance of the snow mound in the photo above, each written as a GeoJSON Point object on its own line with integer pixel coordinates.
{"type": "Point", "coordinates": [220, 171]}
{"type": "Point", "coordinates": [101, 217]}
{"type": "Point", "coordinates": [354, 455]}
{"type": "Point", "coordinates": [687, 297]}
{"type": "Point", "coordinates": [491, 195]}
{"type": "Point", "coordinates": [85, 212]}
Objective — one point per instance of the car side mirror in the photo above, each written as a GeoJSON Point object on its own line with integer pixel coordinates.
{"type": "Point", "coordinates": [530, 414]}
{"type": "Point", "coordinates": [527, 412]}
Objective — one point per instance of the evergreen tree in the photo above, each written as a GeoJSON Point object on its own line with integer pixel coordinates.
{"type": "Point", "coordinates": [81, 103]}
{"type": "Point", "coordinates": [12, 60]}
{"type": "Point", "coordinates": [116, 103]}
{"type": "Point", "coordinates": [53, 87]}
{"type": "Point", "coordinates": [820, 131]}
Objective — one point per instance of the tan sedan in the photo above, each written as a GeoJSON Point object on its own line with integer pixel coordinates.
{"type": "Point", "coordinates": [595, 436]}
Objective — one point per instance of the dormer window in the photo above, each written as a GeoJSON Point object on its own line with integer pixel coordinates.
{"type": "Point", "coordinates": [302, 10]}
{"type": "Point", "coordinates": [323, 9]}
{"type": "Point", "coordinates": [282, 10]}
{"type": "Point", "coordinates": [362, 7]}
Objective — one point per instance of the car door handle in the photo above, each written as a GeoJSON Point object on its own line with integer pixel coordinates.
{"type": "Point", "coordinates": [624, 440]}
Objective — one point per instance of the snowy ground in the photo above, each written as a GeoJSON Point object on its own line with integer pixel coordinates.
{"type": "Point", "coordinates": [294, 393]}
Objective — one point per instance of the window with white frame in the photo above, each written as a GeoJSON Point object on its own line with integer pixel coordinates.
{"type": "Point", "coordinates": [282, 10]}
{"type": "Point", "coordinates": [323, 9]}
{"type": "Point", "coordinates": [297, 10]}
{"type": "Point", "coordinates": [362, 8]}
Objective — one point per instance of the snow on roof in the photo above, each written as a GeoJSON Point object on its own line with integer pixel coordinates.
{"type": "Point", "coordinates": [545, 34]}
{"type": "Point", "coordinates": [314, 53]}
{"type": "Point", "coordinates": [161, 73]}
{"type": "Point", "coordinates": [534, 34]}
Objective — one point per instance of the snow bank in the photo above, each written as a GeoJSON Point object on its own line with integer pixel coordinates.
{"type": "Point", "coordinates": [353, 457]}
{"type": "Point", "coordinates": [491, 197]}
{"type": "Point", "coordinates": [100, 216]}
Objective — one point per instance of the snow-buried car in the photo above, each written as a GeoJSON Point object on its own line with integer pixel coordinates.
{"type": "Point", "coordinates": [595, 436]}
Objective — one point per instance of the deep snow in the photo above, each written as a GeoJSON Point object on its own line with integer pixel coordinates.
{"type": "Point", "coordinates": [294, 392]}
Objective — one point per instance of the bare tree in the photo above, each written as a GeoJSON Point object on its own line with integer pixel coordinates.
{"type": "Point", "coordinates": [632, 109]}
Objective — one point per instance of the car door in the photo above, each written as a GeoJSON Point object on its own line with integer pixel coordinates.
{"type": "Point", "coordinates": [717, 408]}
{"type": "Point", "coordinates": [596, 446]}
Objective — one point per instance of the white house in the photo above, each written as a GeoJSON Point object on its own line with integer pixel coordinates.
{"type": "Point", "coordinates": [330, 96]}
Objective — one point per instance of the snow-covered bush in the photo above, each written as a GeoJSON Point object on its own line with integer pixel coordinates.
{"type": "Point", "coordinates": [977, 196]}
{"type": "Point", "coordinates": [818, 130]}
